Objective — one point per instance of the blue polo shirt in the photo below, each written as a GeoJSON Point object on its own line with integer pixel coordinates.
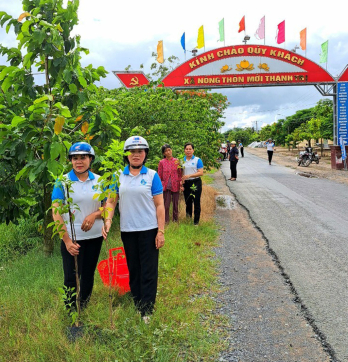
{"type": "Point", "coordinates": [82, 193]}
{"type": "Point", "coordinates": [192, 166]}
{"type": "Point", "coordinates": [136, 204]}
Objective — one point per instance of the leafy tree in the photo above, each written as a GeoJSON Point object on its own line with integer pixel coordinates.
{"type": "Point", "coordinates": [162, 115]}
{"type": "Point", "coordinates": [291, 140]}
{"type": "Point", "coordinates": [324, 111]}
{"type": "Point", "coordinates": [159, 71]}
{"type": "Point", "coordinates": [245, 135]}
{"type": "Point", "coordinates": [296, 137]}
{"type": "Point", "coordinates": [39, 122]}
{"type": "Point", "coordinates": [303, 133]}
{"type": "Point", "coordinates": [313, 123]}
{"type": "Point", "coordinates": [266, 132]}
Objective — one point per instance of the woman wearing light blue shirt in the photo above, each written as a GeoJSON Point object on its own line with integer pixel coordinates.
{"type": "Point", "coordinates": [192, 183]}
{"type": "Point", "coordinates": [141, 206]}
{"type": "Point", "coordinates": [270, 148]}
{"type": "Point", "coordinates": [87, 223]}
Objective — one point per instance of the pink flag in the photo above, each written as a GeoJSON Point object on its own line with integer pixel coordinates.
{"type": "Point", "coordinates": [281, 33]}
{"type": "Point", "coordinates": [260, 32]}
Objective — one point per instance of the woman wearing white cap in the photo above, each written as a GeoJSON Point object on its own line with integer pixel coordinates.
{"type": "Point", "coordinates": [141, 206]}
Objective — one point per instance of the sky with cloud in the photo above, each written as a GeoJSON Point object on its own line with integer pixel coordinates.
{"type": "Point", "coordinates": [122, 33]}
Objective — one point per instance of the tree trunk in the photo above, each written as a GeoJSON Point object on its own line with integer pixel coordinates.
{"type": "Point", "coordinates": [321, 148]}
{"type": "Point", "coordinates": [48, 241]}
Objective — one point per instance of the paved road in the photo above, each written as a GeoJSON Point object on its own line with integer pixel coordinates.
{"type": "Point", "coordinates": [305, 221]}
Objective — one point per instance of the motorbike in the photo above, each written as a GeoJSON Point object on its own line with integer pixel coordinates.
{"type": "Point", "coordinates": [306, 157]}
{"type": "Point", "coordinates": [223, 152]}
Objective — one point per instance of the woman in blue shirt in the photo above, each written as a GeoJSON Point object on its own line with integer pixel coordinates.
{"type": "Point", "coordinates": [87, 223]}
{"type": "Point", "coordinates": [192, 172]}
{"type": "Point", "coordinates": [141, 208]}
{"type": "Point", "coordinates": [270, 148]}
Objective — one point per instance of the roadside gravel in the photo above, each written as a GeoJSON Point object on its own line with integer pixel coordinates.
{"type": "Point", "coordinates": [266, 323]}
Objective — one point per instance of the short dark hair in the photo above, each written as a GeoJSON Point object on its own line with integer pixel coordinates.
{"type": "Point", "coordinates": [189, 144]}
{"type": "Point", "coordinates": [164, 147]}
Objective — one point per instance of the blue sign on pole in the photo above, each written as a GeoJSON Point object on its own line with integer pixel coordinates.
{"type": "Point", "coordinates": [342, 107]}
{"type": "Point", "coordinates": [343, 148]}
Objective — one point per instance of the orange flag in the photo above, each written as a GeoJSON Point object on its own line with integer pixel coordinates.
{"type": "Point", "coordinates": [242, 25]}
{"type": "Point", "coordinates": [160, 57]}
{"type": "Point", "coordinates": [303, 39]}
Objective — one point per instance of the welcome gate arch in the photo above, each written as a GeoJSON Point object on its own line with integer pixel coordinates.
{"type": "Point", "coordinates": [240, 66]}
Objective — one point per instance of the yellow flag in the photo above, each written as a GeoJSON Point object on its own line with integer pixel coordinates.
{"type": "Point", "coordinates": [200, 39]}
{"type": "Point", "coordinates": [160, 58]}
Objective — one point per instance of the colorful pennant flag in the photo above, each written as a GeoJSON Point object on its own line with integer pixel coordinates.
{"type": "Point", "coordinates": [303, 39]}
{"type": "Point", "coordinates": [222, 29]}
{"type": "Point", "coordinates": [242, 25]}
{"type": "Point", "coordinates": [183, 42]}
{"type": "Point", "coordinates": [160, 57]}
{"type": "Point", "coordinates": [281, 33]}
{"type": "Point", "coordinates": [260, 32]}
{"type": "Point", "coordinates": [200, 38]}
{"type": "Point", "coordinates": [324, 52]}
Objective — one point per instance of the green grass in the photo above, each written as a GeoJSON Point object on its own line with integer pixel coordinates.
{"type": "Point", "coordinates": [18, 239]}
{"type": "Point", "coordinates": [207, 178]}
{"type": "Point", "coordinates": [33, 323]}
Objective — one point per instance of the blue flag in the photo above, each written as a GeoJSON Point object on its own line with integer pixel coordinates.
{"type": "Point", "coordinates": [183, 42]}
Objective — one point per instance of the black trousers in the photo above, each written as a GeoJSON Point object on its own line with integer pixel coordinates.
{"type": "Point", "coordinates": [270, 155]}
{"type": "Point", "coordinates": [87, 262]}
{"type": "Point", "coordinates": [242, 151]}
{"type": "Point", "coordinates": [142, 260]}
{"type": "Point", "coordinates": [233, 167]}
{"type": "Point", "coordinates": [193, 197]}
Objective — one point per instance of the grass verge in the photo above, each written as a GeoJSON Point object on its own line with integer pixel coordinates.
{"type": "Point", "coordinates": [18, 239]}
{"type": "Point", "coordinates": [33, 323]}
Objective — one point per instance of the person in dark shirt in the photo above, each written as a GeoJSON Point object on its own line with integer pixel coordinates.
{"type": "Point", "coordinates": [233, 157]}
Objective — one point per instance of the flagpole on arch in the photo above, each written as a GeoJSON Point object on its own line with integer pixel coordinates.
{"type": "Point", "coordinates": [224, 32]}
{"type": "Point", "coordinates": [327, 56]}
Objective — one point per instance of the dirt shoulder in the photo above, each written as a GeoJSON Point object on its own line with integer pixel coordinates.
{"type": "Point", "coordinates": [288, 158]}
{"type": "Point", "coordinates": [266, 323]}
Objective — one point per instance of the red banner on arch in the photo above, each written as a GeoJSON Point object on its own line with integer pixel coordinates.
{"type": "Point", "coordinates": [131, 79]}
{"type": "Point", "coordinates": [239, 66]}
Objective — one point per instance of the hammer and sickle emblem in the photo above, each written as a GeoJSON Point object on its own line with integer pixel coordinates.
{"type": "Point", "coordinates": [134, 81]}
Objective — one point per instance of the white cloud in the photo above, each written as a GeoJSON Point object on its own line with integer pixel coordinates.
{"type": "Point", "coordinates": [122, 33]}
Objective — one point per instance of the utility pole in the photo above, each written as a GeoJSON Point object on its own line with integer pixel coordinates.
{"type": "Point", "coordinates": [255, 125]}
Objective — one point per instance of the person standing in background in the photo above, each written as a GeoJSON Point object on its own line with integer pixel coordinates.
{"type": "Point", "coordinates": [192, 172]}
{"type": "Point", "coordinates": [241, 148]}
{"type": "Point", "coordinates": [170, 175]}
{"type": "Point", "coordinates": [233, 157]}
{"type": "Point", "coordinates": [270, 148]}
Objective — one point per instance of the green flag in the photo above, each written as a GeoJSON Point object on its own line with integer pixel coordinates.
{"type": "Point", "coordinates": [324, 51]}
{"type": "Point", "coordinates": [222, 30]}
